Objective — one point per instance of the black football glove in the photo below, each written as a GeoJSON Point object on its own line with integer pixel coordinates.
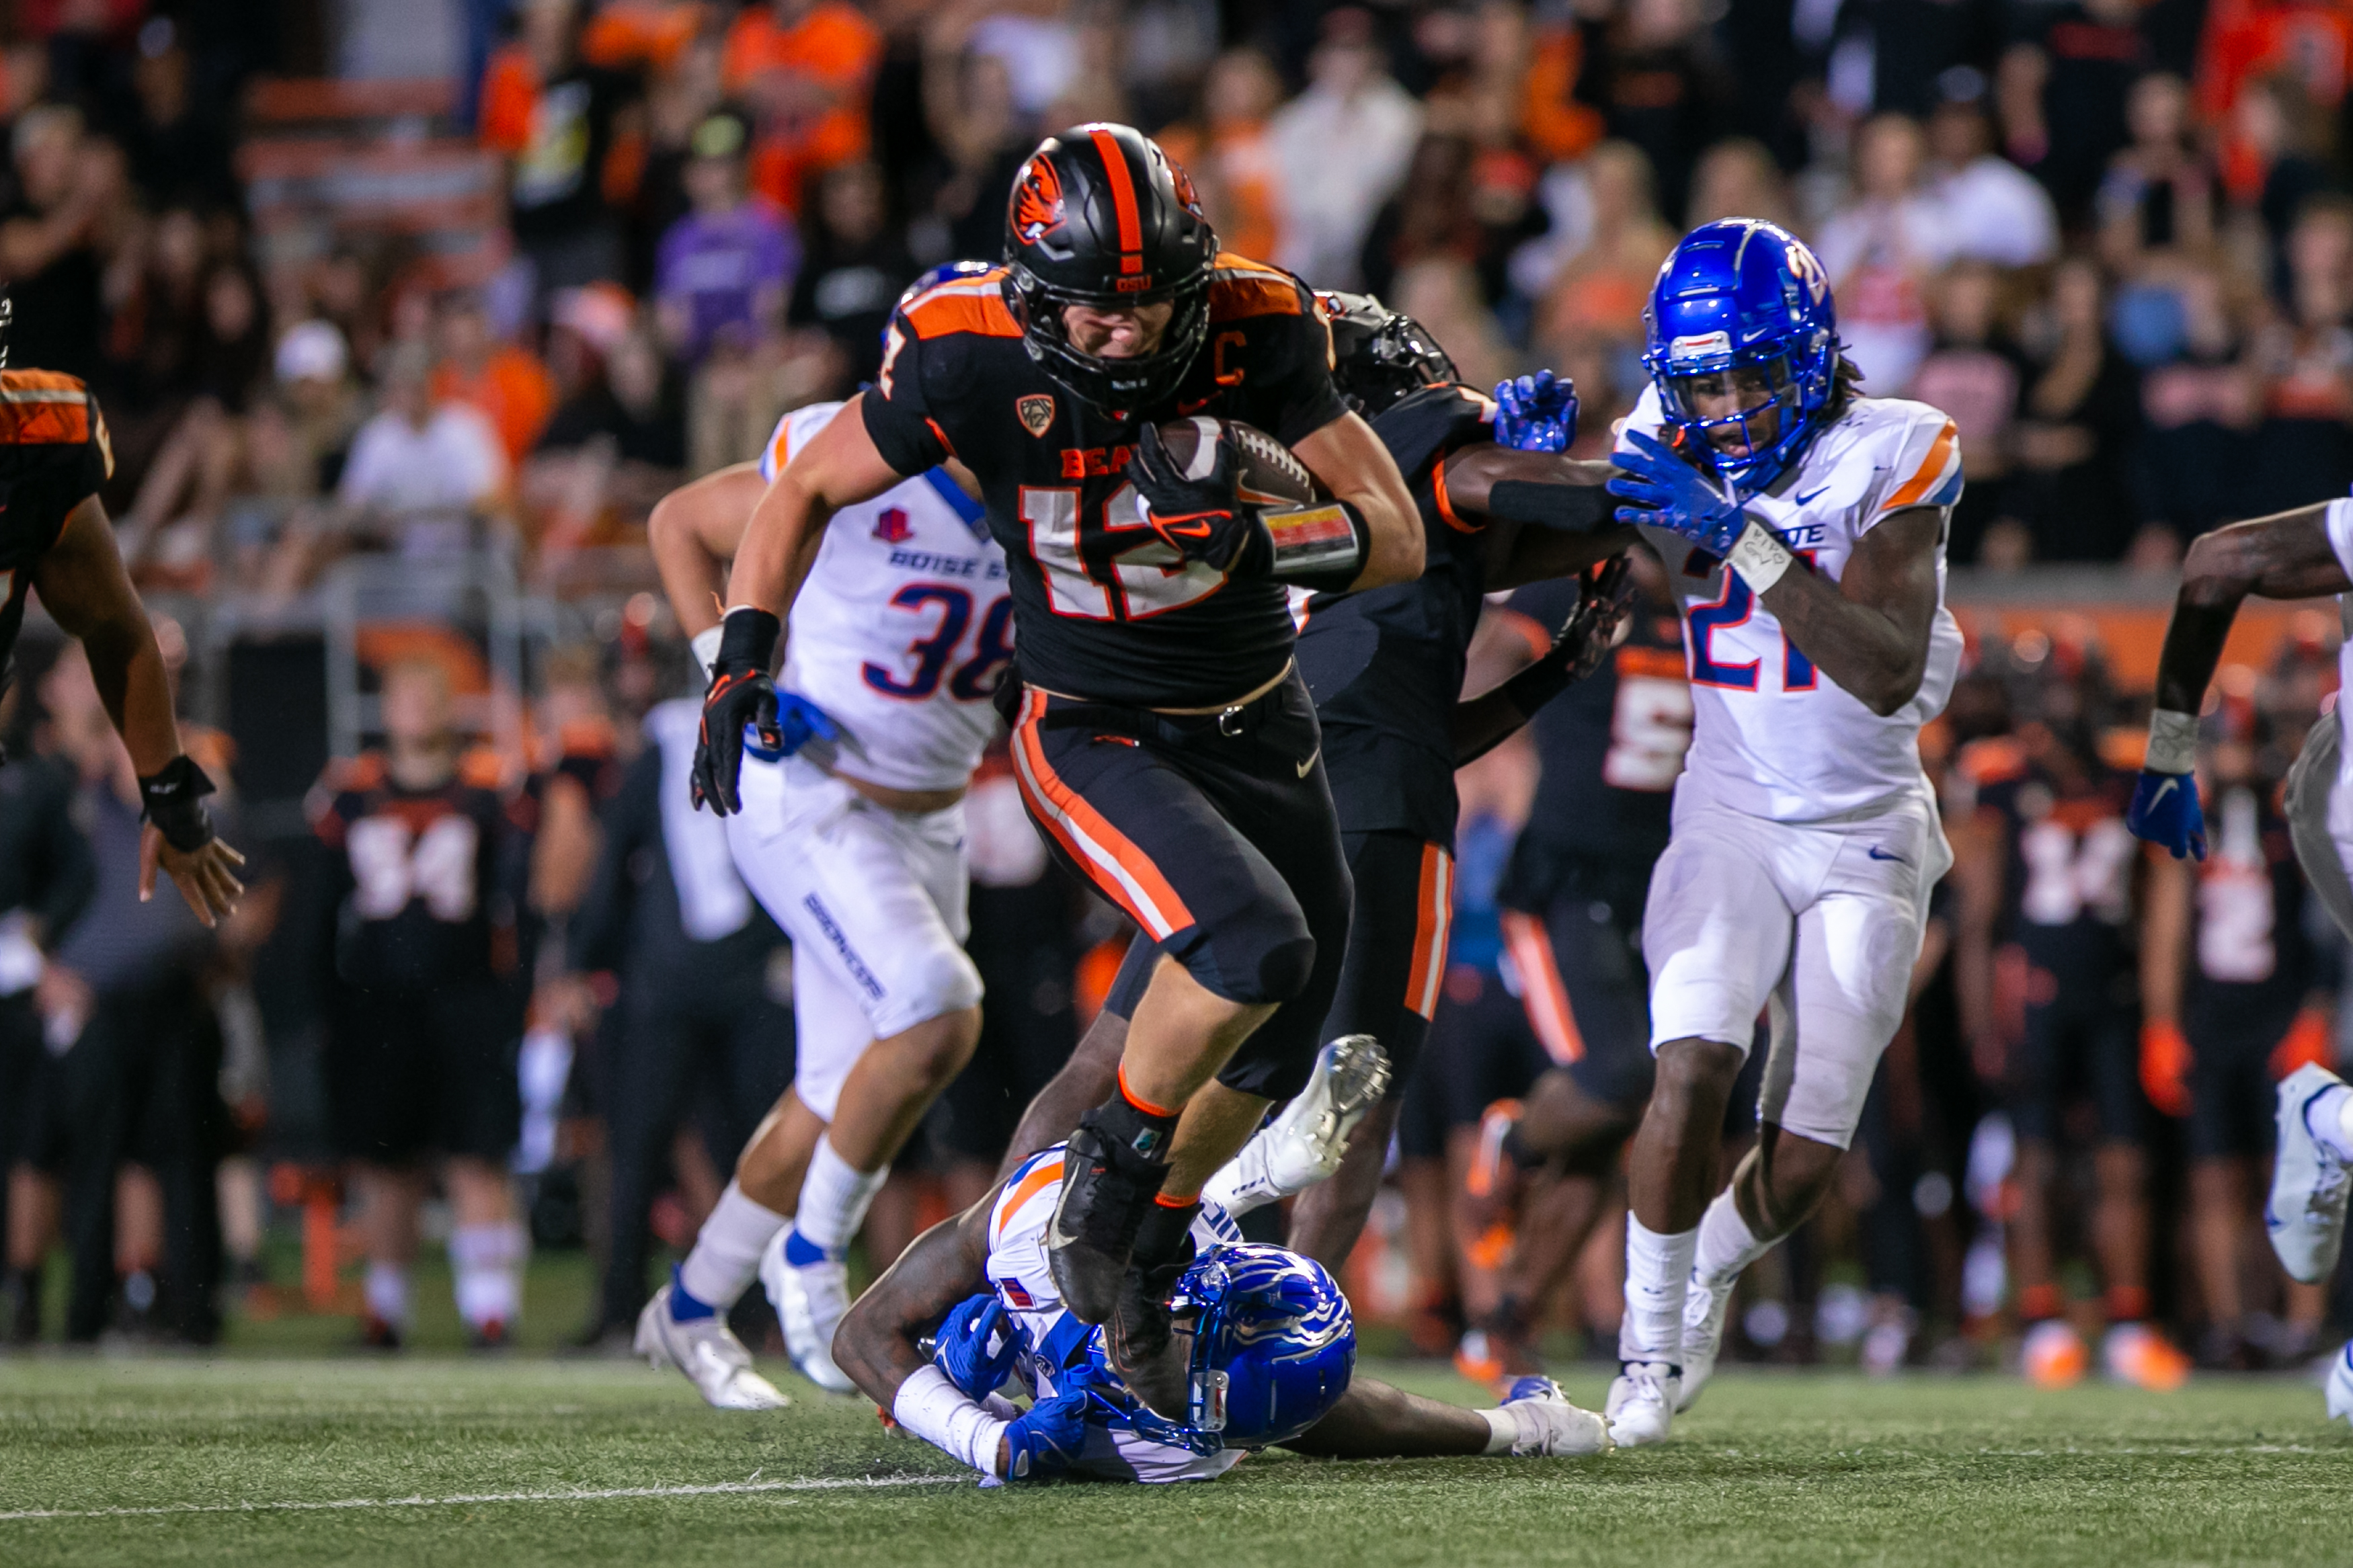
{"type": "Point", "coordinates": [173, 799]}
{"type": "Point", "coordinates": [1591, 630]}
{"type": "Point", "coordinates": [740, 693]}
{"type": "Point", "coordinates": [1203, 519]}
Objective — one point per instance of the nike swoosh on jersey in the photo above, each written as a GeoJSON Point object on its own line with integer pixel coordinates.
{"type": "Point", "coordinates": [1310, 761]}
{"type": "Point", "coordinates": [1876, 853]}
{"type": "Point", "coordinates": [1809, 499]}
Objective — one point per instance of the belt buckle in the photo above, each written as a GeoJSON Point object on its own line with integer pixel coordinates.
{"type": "Point", "coordinates": [1230, 724]}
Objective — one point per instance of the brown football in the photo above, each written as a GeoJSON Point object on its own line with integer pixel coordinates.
{"type": "Point", "coordinates": [1268, 472]}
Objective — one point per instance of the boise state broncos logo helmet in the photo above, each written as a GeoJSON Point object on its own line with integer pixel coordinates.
{"type": "Point", "coordinates": [1099, 215]}
{"type": "Point", "coordinates": [1747, 299]}
{"type": "Point", "coordinates": [1381, 356]}
{"type": "Point", "coordinates": [1274, 1343]}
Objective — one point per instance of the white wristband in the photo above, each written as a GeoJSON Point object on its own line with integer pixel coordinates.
{"type": "Point", "coordinates": [1759, 557]}
{"type": "Point", "coordinates": [705, 644]}
{"type": "Point", "coordinates": [933, 1409]}
{"type": "Point", "coordinates": [2172, 742]}
{"type": "Point", "coordinates": [1504, 1430]}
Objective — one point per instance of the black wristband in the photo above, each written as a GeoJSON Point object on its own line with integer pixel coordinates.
{"type": "Point", "coordinates": [1542, 681]}
{"type": "Point", "coordinates": [173, 799]}
{"type": "Point", "coordinates": [747, 640]}
{"type": "Point", "coordinates": [1576, 508]}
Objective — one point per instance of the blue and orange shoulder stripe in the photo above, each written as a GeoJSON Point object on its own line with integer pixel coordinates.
{"type": "Point", "coordinates": [1240, 288]}
{"type": "Point", "coordinates": [974, 305]}
{"type": "Point", "coordinates": [1034, 1175]}
{"type": "Point", "coordinates": [1937, 481]}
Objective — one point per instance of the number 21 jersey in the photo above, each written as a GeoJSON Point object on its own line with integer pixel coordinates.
{"type": "Point", "coordinates": [902, 626]}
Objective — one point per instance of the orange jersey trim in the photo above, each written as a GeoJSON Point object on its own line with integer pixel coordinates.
{"type": "Point", "coordinates": [1433, 905]}
{"type": "Point", "coordinates": [937, 314]}
{"type": "Point", "coordinates": [42, 407]}
{"type": "Point", "coordinates": [1541, 992]}
{"type": "Point", "coordinates": [1930, 471]}
{"type": "Point", "coordinates": [1036, 1182]}
{"type": "Point", "coordinates": [1241, 287]}
{"type": "Point", "coordinates": [1446, 502]}
{"type": "Point", "coordinates": [1120, 870]}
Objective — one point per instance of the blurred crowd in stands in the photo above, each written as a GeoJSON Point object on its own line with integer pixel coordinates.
{"type": "Point", "coordinates": [2113, 240]}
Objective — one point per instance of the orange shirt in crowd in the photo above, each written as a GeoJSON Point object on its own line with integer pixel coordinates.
{"type": "Point", "coordinates": [514, 391]}
{"type": "Point", "coordinates": [1236, 164]}
{"type": "Point", "coordinates": [1556, 125]}
{"type": "Point", "coordinates": [2246, 40]}
{"type": "Point", "coordinates": [510, 103]}
{"type": "Point", "coordinates": [810, 80]}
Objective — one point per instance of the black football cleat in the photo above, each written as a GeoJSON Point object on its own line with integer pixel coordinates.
{"type": "Point", "coordinates": [1141, 1330]}
{"type": "Point", "coordinates": [1107, 1191]}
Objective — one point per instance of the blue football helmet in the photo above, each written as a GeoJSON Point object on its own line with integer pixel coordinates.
{"type": "Point", "coordinates": [945, 272]}
{"type": "Point", "coordinates": [1744, 293]}
{"type": "Point", "coordinates": [1273, 1347]}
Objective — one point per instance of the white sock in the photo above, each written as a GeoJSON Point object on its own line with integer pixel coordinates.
{"type": "Point", "coordinates": [834, 1199]}
{"type": "Point", "coordinates": [1658, 1275]}
{"type": "Point", "coordinates": [388, 1293]}
{"type": "Point", "coordinates": [487, 1261]}
{"type": "Point", "coordinates": [726, 1256]}
{"type": "Point", "coordinates": [1727, 1245]}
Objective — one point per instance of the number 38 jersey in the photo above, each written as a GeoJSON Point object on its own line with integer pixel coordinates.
{"type": "Point", "coordinates": [1108, 612]}
{"type": "Point", "coordinates": [1772, 736]}
{"type": "Point", "coordinates": [902, 626]}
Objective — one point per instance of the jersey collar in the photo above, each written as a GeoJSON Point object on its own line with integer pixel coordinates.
{"type": "Point", "coordinates": [965, 507]}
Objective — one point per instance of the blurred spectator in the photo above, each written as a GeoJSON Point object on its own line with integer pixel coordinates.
{"type": "Point", "coordinates": [1441, 293]}
{"type": "Point", "coordinates": [1341, 147]}
{"type": "Point", "coordinates": [177, 147]}
{"type": "Point", "coordinates": [2158, 194]}
{"type": "Point", "coordinates": [680, 97]}
{"type": "Point", "coordinates": [1994, 210]}
{"type": "Point", "coordinates": [1230, 155]}
{"type": "Point", "coordinates": [1431, 218]}
{"type": "Point", "coordinates": [2247, 40]}
{"type": "Point", "coordinates": [68, 193]}
{"type": "Point", "coordinates": [806, 67]}
{"type": "Point", "coordinates": [554, 116]}
{"type": "Point", "coordinates": [858, 264]}
{"type": "Point", "coordinates": [2075, 429]}
{"type": "Point", "coordinates": [2060, 93]}
{"type": "Point", "coordinates": [504, 381]}
{"type": "Point", "coordinates": [1975, 375]}
{"type": "Point", "coordinates": [1650, 69]}
{"type": "Point", "coordinates": [2200, 407]}
{"type": "Point", "coordinates": [1880, 248]}
{"type": "Point", "coordinates": [1600, 295]}
{"type": "Point", "coordinates": [728, 264]}
{"type": "Point", "coordinates": [611, 381]}
{"type": "Point", "coordinates": [981, 143]}
{"type": "Point", "coordinates": [1737, 178]}
{"type": "Point", "coordinates": [2305, 357]}
{"type": "Point", "coordinates": [2277, 124]}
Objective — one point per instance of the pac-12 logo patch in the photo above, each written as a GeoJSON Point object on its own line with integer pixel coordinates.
{"type": "Point", "coordinates": [1036, 412]}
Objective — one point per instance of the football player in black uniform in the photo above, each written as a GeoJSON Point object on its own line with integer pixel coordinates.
{"type": "Point", "coordinates": [55, 537]}
{"type": "Point", "coordinates": [1163, 740]}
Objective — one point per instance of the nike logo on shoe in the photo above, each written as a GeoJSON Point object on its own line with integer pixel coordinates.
{"type": "Point", "coordinates": [1876, 853]}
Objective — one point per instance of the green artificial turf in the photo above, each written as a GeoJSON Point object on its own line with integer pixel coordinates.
{"type": "Point", "coordinates": [1794, 1469]}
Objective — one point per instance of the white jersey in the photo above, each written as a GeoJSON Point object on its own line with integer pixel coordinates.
{"type": "Point", "coordinates": [902, 626]}
{"type": "Point", "coordinates": [1772, 736]}
{"type": "Point", "coordinates": [1053, 1339]}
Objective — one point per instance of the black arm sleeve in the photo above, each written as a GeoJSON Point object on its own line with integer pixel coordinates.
{"type": "Point", "coordinates": [1575, 509]}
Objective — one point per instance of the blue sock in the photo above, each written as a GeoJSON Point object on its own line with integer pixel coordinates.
{"type": "Point", "coordinates": [800, 1251]}
{"type": "Point", "coordinates": [683, 1307]}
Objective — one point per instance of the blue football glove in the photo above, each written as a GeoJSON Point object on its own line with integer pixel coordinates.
{"type": "Point", "coordinates": [1536, 412]}
{"type": "Point", "coordinates": [1669, 493]}
{"type": "Point", "coordinates": [798, 722]}
{"type": "Point", "coordinates": [1043, 1439]}
{"type": "Point", "coordinates": [2165, 811]}
{"type": "Point", "coordinates": [977, 1345]}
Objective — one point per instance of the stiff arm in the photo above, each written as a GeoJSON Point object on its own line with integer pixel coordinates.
{"type": "Point", "coordinates": [2284, 556]}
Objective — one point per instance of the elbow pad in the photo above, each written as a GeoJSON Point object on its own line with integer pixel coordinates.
{"type": "Point", "coordinates": [1575, 509]}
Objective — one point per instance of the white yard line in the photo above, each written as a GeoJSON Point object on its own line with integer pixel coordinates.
{"type": "Point", "coordinates": [716, 1488]}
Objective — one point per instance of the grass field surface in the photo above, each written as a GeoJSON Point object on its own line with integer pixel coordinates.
{"type": "Point", "coordinates": [582, 1463]}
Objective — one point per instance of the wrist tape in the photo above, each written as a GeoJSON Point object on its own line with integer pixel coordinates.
{"type": "Point", "coordinates": [747, 639]}
{"type": "Point", "coordinates": [1321, 548]}
{"type": "Point", "coordinates": [930, 1406]}
{"type": "Point", "coordinates": [1759, 557]}
{"type": "Point", "coordinates": [2172, 742]}
{"type": "Point", "coordinates": [172, 798]}
{"type": "Point", "coordinates": [705, 644]}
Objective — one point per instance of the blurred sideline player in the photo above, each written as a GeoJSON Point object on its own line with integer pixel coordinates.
{"type": "Point", "coordinates": [1386, 666]}
{"type": "Point", "coordinates": [424, 866]}
{"type": "Point", "coordinates": [1804, 526]}
{"type": "Point", "coordinates": [2047, 871]}
{"type": "Point", "coordinates": [2297, 555]}
{"type": "Point", "coordinates": [1611, 748]}
{"type": "Point", "coordinates": [55, 538]}
{"type": "Point", "coordinates": [1264, 1347]}
{"type": "Point", "coordinates": [852, 836]}
{"type": "Point", "coordinates": [2237, 998]}
{"type": "Point", "coordinates": [1164, 741]}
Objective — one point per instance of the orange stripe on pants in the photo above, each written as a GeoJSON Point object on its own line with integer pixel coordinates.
{"type": "Point", "coordinates": [1122, 872]}
{"type": "Point", "coordinates": [1541, 992]}
{"type": "Point", "coordinates": [1433, 906]}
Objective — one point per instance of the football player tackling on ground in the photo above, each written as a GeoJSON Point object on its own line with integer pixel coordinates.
{"type": "Point", "coordinates": [1264, 1350]}
{"type": "Point", "coordinates": [2298, 555]}
{"type": "Point", "coordinates": [852, 836]}
{"type": "Point", "coordinates": [1164, 742]}
{"type": "Point", "coordinates": [1803, 527]}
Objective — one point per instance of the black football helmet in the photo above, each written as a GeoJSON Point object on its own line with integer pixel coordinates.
{"type": "Point", "coordinates": [1381, 356]}
{"type": "Point", "coordinates": [1099, 215]}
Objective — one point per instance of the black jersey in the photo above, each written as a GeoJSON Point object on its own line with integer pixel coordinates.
{"type": "Point", "coordinates": [1105, 610]}
{"type": "Point", "coordinates": [54, 455]}
{"type": "Point", "coordinates": [2067, 896]}
{"type": "Point", "coordinates": [2250, 962]}
{"type": "Point", "coordinates": [424, 886]}
{"type": "Point", "coordinates": [1385, 666]}
{"type": "Point", "coordinates": [1611, 747]}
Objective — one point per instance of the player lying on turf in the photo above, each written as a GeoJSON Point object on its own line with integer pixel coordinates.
{"type": "Point", "coordinates": [1262, 1353]}
{"type": "Point", "coordinates": [2298, 555]}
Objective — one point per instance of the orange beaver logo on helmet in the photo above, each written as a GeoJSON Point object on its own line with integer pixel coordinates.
{"type": "Point", "coordinates": [1037, 201]}
{"type": "Point", "coordinates": [1184, 183]}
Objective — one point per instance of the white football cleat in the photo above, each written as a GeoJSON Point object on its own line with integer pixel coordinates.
{"type": "Point", "coordinates": [1704, 1311]}
{"type": "Point", "coordinates": [1307, 1143]}
{"type": "Point", "coordinates": [708, 1351]}
{"type": "Point", "coordinates": [810, 1298]}
{"type": "Point", "coordinates": [1641, 1403]}
{"type": "Point", "coordinates": [2306, 1212]}
{"type": "Point", "coordinates": [1549, 1426]}
{"type": "Point", "coordinates": [2339, 1386]}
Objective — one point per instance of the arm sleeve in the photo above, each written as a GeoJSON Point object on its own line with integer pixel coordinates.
{"type": "Point", "coordinates": [1925, 470]}
{"type": "Point", "coordinates": [897, 408]}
